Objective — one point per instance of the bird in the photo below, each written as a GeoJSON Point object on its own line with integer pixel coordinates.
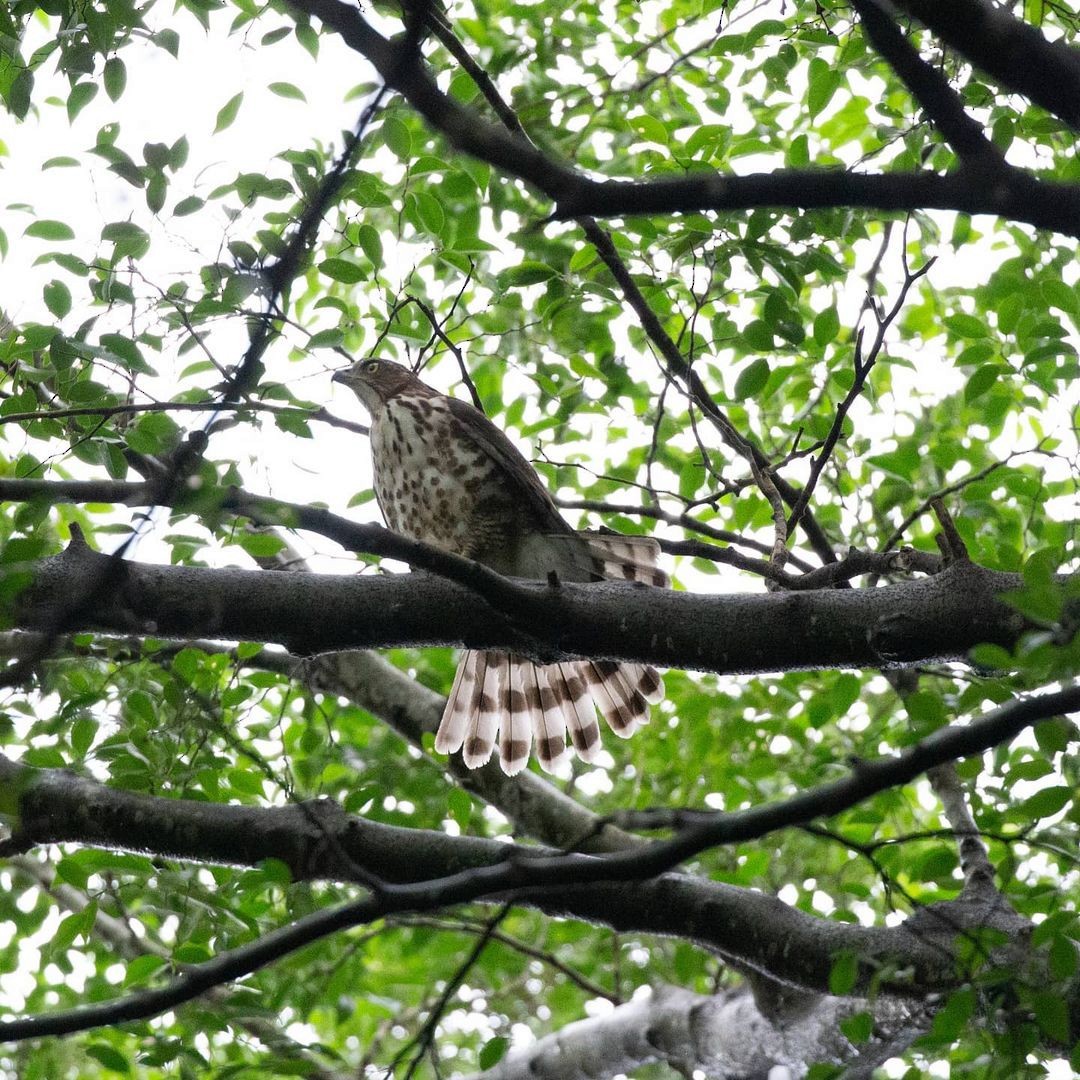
{"type": "Point", "coordinates": [445, 474]}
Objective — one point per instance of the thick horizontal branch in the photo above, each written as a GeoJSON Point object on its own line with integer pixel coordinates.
{"type": "Point", "coordinates": [935, 618]}
{"type": "Point", "coordinates": [1004, 192]}
{"type": "Point", "coordinates": [1007, 193]}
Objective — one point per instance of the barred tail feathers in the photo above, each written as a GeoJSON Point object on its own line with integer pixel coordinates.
{"type": "Point", "coordinates": [515, 735]}
{"type": "Point", "coordinates": [550, 717]}
{"type": "Point", "coordinates": [470, 720]}
{"type": "Point", "coordinates": [579, 711]}
{"type": "Point", "coordinates": [508, 699]}
{"type": "Point", "coordinates": [627, 558]}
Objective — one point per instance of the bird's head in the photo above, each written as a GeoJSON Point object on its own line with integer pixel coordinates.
{"type": "Point", "coordinates": [376, 381]}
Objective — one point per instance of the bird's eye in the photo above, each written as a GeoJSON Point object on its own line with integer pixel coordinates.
{"type": "Point", "coordinates": [371, 366]}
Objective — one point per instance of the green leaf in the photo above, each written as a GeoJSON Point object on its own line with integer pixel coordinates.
{"type": "Point", "coordinates": [50, 230]}
{"type": "Point", "coordinates": [1063, 958]}
{"type": "Point", "coordinates": [275, 35]}
{"type": "Point", "coordinates": [83, 733]}
{"type": "Point", "coordinates": [758, 336]}
{"type": "Point", "coordinates": [114, 77]}
{"type": "Point", "coordinates": [459, 803]}
{"type": "Point", "coordinates": [72, 870]}
{"type": "Point", "coordinates": [951, 1019]}
{"type": "Point", "coordinates": [227, 113]}
{"type": "Point", "coordinates": [1052, 1015]}
{"type": "Point", "coordinates": [982, 379]}
{"type": "Point", "coordinates": [752, 379]}
{"type": "Point", "coordinates": [967, 326]}
{"type": "Point", "coordinates": [396, 136]}
{"type": "Point", "coordinates": [858, 1028]}
{"type": "Point", "coordinates": [80, 96]}
{"type": "Point", "coordinates": [109, 1057]}
{"type": "Point", "coordinates": [824, 81]}
{"type": "Point", "coordinates": [493, 1051]}
{"type": "Point", "coordinates": [129, 239]}
{"type": "Point", "coordinates": [178, 153]}
{"type": "Point", "coordinates": [190, 205]}
{"type": "Point", "coordinates": [156, 188]}
{"type": "Point", "coordinates": [139, 705]}
{"type": "Point", "coordinates": [169, 40]}
{"type": "Point", "coordinates": [342, 270]}
{"type": "Point", "coordinates": [650, 128]}
{"type": "Point", "coordinates": [141, 968]}
{"type": "Point", "coordinates": [57, 298]}
{"type": "Point", "coordinates": [826, 325]}
{"type": "Point", "coordinates": [287, 90]}
{"type": "Point", "coordinates": [430, 213]}
{"type": "Point", "coordinates": [127, 352]}
{"type": "Point", "coordinates": [156, 155]}
{"type": "Point", "coordinates": [1045, 803]}
{"type": "Point", "coordinates": [843, 974]}
{"type": "Point", "coordinates": [20, 95]}
{"type": "Point", "coordinates": [153, 433]}
{"type": "Point", "coordinates": [527, 273]}
{"type": "Point", "coordinates": [367, 237]}
{"type": "Point", "coordinates": [261, 545]}
{"type": "Point", "coordinates": [307, 36]}
{"type": "Point", "coordinates": [326, 339]}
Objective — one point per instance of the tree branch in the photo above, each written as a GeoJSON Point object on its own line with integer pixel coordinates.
{"type": "Point", "coordinates": [724, 1037]}
{"type": "Point", "coordinates": [320, 414]}
{"type": "Point", "coordinates": [1013, 194]}
{"type": "Point", "coordinates": [975, 862]}
{"type": "Point", "coordinates": [933, 618]}
{"type": "Point", "coordinates": [52, 806]}
{"type": "Point", "coordinates": [1009, 49]}
{"type": "Point", "coordinates": [929, 88]}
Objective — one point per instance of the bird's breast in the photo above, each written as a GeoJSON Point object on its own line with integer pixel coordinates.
{"type": "Point", "coordinates": [432, 481]}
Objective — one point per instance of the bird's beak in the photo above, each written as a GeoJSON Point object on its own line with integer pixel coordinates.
{"type": "Point", "coordinates": [339, 376]}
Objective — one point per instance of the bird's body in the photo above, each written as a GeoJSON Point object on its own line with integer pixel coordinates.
{"type": "Point", "coordinates": [444, 474]}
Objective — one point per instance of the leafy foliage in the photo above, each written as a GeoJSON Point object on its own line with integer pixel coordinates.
{"type": "Point", "coordinates": [145, 282]}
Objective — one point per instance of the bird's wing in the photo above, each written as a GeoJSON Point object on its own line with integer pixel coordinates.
{"type": "Point", "coordinates": [507, 456]}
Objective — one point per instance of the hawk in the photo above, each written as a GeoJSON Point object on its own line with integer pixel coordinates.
{"type": "Point", "coordinates": [444, 474]}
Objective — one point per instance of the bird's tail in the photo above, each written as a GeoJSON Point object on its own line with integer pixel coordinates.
{"type": "Point", "coordinates": [509, 698]}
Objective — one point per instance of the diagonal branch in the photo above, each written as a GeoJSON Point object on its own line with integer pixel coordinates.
{"type": "Point", "coordinates": [929, 88]}
{"type": "Point", "coordinates": [975, 862]}
{"type": "Point", "coordinates": [564, 883]}
{"type": "Point", "coordinates": [863, 367]}
{"type": "Point", "coordinates": [1014, 52]}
